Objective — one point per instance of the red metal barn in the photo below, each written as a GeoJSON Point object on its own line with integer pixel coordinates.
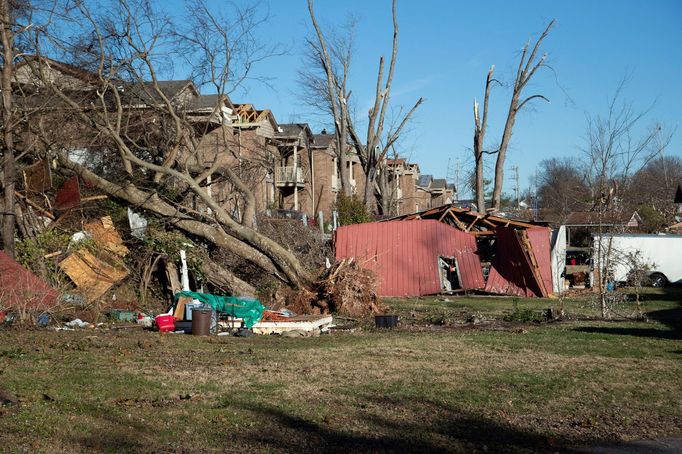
{"type": "Point", "coordinates": [405, 255]}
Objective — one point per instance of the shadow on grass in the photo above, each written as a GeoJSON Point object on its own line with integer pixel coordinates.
{"type": "Point", "coordinates": [121, 433]}
{"type": "Point", "coordinates": [670, 318]}
{"type": "Point", "coordinates": [382, 424]}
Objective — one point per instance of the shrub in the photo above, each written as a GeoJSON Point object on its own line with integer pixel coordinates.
{"type": "Point", "coordinates": [351, 210]}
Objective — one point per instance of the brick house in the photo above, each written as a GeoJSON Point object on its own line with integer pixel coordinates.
{"type": "Point", "coordinates": [294, 172]}
{"type": "Point", "coordinates": [327, 182]}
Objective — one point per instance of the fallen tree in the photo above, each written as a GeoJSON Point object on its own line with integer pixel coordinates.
{"type": "Point", "coordinates": [116, 98]}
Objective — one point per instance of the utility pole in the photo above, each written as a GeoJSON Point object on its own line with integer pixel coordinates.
{"type": "Point", "coordinates": [457, 177]}
{"type": "Point", "coordinates": [517, 192]}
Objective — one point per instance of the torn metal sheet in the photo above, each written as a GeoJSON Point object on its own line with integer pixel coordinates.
{"type": "Point", "coordinates": [405, 254]}
{"type": "Point", "coordinates": [512, 271]}
{"type": "Point", "coordinates": [541, 250]}
{"type": "Point", "coordinates": [92, 276]}
{"type": "Point", "coordinates": [69, 195]}
{"type": "Point", "coordinates": [21, 289]}
{"type": "Point", "coordinates": [106, 236]}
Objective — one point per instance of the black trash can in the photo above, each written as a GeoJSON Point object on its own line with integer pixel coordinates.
{"type": "Point", "coordinates": [386, 321]}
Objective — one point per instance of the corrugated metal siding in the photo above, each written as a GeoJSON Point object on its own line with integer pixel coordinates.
{"type": "Point", "coordinates": [539, 238]}
{"type": "Point", "coordinates": [510, 271]}
{"type": "Point", "coordinates": [404, 254]}
{"type": "Point", "coordinates": [21, 288]}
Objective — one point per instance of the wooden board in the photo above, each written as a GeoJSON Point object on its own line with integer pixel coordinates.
{"type": "Point", "coordinates": [92, 276]}
{"type": "Point", "coordinates": [106, 236]}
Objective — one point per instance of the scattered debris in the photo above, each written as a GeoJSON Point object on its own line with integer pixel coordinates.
{"type": "Point", "coordinates": [302, 325]}
{"type": "Point", "coordinates": [78, 323]}
{"type": "Point", "coordinates": [138, 224]}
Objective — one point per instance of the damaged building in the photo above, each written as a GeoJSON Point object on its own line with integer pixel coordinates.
{"type": "Point", "coordinates": [450, 250]}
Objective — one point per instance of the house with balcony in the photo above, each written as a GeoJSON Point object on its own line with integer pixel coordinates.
{"type": "Point", "coordinates": [294, 171]}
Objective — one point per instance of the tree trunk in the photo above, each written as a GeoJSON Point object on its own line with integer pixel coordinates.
{"type": "Point", "coordinates": [502, 152]}
{"type": "Point", "coordinates": [9, 164]}
{"type": "Point", "coordinates": [219, 276]}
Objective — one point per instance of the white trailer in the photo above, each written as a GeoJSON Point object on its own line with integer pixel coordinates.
{"type": "Point", "coordinates": [660, 255]}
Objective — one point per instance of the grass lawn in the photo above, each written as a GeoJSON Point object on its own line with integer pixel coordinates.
{"type": "Point", "coordinates": [452, 377]}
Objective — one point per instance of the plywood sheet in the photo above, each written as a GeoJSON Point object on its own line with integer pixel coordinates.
{"type": "Point", "coordinates": [106, 236]}
{"type": "Point", "coordinates": [91, 275]}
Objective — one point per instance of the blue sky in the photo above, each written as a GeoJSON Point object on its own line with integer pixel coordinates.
{"type": "Point", "coordinates": [446, 48]}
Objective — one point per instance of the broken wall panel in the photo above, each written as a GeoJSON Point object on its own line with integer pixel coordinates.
{"type": "Point", "coordinates": [404, 254]}
{"type": "Point", "coordinates": [511, 272]}
{"type": "Point", "coordinates": [106, 236]}
{"type": "Point", "coordinates": [540, 243]}
{"type": "Point", "coordinates": [69, 195]}
{"type": "Point", "coordinates": [38, 176]}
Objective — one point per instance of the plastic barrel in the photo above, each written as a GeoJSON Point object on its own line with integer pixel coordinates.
{"type": "Point", "coordinates": [201, 322]}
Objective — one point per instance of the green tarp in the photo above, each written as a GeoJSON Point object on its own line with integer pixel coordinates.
{"type": "Point", "coordinates": [249, 310]}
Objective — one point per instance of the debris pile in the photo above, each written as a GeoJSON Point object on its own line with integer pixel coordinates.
{"type": "Point", "coordinates": [351, 290]}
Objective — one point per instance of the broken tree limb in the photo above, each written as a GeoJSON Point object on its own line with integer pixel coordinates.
{"type": "Point", "coordinates": [35, 206]}
{"type": "Point", "coordinates": [172, 275]}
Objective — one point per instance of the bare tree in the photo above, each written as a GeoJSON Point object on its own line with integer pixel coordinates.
{"type": "Point", "coordinates": [374, 146]}
{"type": "Point", "coordinates": [562, 187]}
{"type": "Point", "coordinates": [480, 125]}
{"type": "Point", "coordinates": [529, 64]}
{"type": "Point", "coordinates": [651, 189]}
{"type": "Point", "coordinates": [9, 164]}
{"type": "Point", "coordinates": [614, 151]}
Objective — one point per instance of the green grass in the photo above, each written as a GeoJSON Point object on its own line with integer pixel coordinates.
{"type": "Point", "coordinates": [454, 386]}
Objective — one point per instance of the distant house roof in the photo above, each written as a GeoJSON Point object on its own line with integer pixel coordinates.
{"type": "Point", "coordinates": [146, 93]}
{"type": "Point", "coordinates": [589, 218]}
{"type": "Point", "coordinates": [203, 102]}
{"type": "Point", "coordinates": [172, 88]}
{"type": "Point", "coordinates": [294, 133]}
{"type": "Point", "coordinates": [439, 183]}
{"type": "Point", "coordinates": [424, 181]}
{"type": "Point", "coordinates": [322, 140]}
{"type": "Point", "coordinates": [395, 162]}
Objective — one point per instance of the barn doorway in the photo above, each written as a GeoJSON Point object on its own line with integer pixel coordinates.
{"type": "Point", "coordinates": [450, 279]}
